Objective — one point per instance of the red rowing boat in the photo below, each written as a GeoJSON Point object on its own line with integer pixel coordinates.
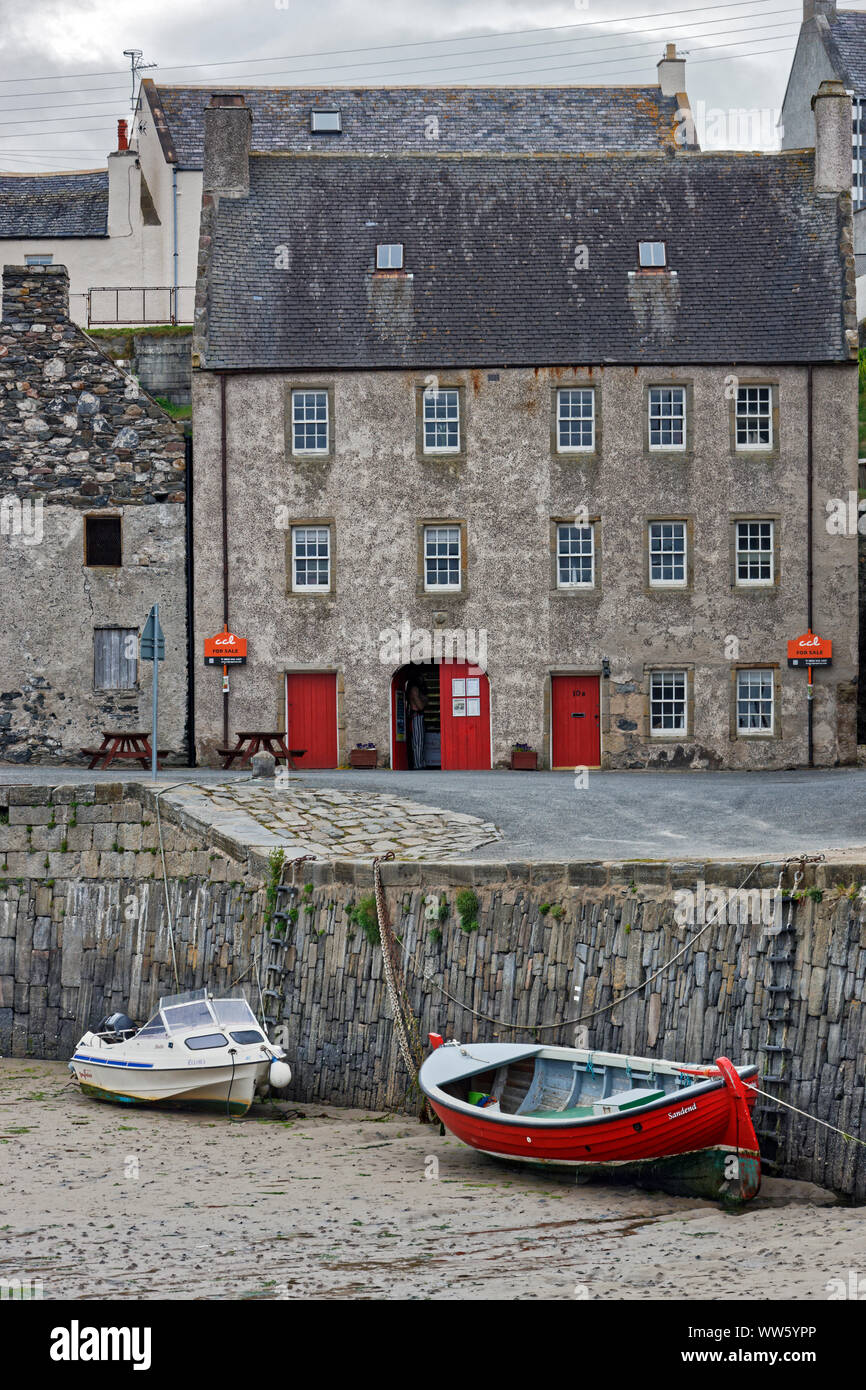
{"type": "Point", "coordinates": [676, 1126]}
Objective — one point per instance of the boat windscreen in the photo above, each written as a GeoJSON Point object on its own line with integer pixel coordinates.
{"type": "Point", "coordinates": [179, 1017]}
{"type": "Point", "coordinates": [233, 1012]}
{"type": "Point", "coordinates": [154, 1028]}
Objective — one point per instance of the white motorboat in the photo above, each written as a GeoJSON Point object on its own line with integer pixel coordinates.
{"type": "Point", "coordinates": [195, 1051]}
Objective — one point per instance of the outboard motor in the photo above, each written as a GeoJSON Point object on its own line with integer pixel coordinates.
{"type": "Point", "coordinates": [115, 1028]}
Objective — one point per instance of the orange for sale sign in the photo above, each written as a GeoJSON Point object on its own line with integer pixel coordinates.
{"type": "Point", "coordinates": [226, 649]}
{"type": "Point", "coordinates": [810, 650]}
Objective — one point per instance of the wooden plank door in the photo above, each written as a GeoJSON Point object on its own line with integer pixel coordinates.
{"type": "Point", "coordinates": [311, 697]}
{"type": "Point", "coordinates": [575, 721]}
{"type": "Point", "coordinates": [464, 699]}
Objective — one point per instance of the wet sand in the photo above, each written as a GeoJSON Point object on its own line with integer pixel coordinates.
{"type": "Point", "coordinates": [308, 1201]}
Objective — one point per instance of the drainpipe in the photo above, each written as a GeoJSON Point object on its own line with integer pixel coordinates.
{"type": "Point", "coordinates": [225, 537]}
{"type": "Point", "coordinates": [175, 315]}
{"type": "Point", "coordinates": [809, 563]}
{"type": "Point", "coordinates": [190, 605]}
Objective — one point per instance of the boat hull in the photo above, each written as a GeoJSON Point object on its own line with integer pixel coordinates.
{"type": "Point", "coordinates": [211, 1088]}
{"type": "Point", "coordinates": [698, 1141]}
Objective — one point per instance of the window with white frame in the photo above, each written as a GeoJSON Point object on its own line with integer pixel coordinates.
{"type": "Point", "coordinates": [466, 697]}
{"type": "Point", "coordinates": [389, 256]}
{"type": "Point", "coordinates": [310, 422]}
{"type": "Point", "coordinates": [575, 420]}
{"type": "Point", "coordinates": [668, 559]}
{"type": "Point", "coordinates": [311, 559]}
{"type": "Point", "coordinates": [575, 557]}
{"type": "Point", "coordinates": [652, 255]}
{"type": "Point", "coordinates": [668, 702]}
{"type": "Point", "coordinates": [441, 421]}
{"type": "Point", "coordinates": [754, 417]}
{"type": "Point", "coordinates": [42, 259]}
{"type": "Point", "coordinates": [442, 557]}
{"type": "Point", "coordinates": [755, 712]}
{"type": "Point", "coordinates": [667, 417]}
{"type": "Point", "coordinates": [755, 553]}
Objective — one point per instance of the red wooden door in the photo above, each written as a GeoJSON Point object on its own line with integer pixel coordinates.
{"type": "Point", "coordinates": [464, 711]}
{"type": "Point", "coordinates": [311, 697]}
{"type": "Point", "coordinates": [575, 722]}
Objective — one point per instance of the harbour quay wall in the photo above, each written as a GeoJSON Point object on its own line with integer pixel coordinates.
{"type": "Point", "coordinates": [561, 953]}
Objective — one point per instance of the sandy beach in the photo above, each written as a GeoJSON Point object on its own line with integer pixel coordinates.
{"type": "Point", "coordinates": [312, 1202]}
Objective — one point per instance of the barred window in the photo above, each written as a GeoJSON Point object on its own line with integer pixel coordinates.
{"type": "Point", "coordinates": [667, 417]}
{"type": "Point", "coordinates": [754, 417]}
{"type": "Point", "coordinates": [309, 422]}
{"type": "Point", "coordinates": [311, 559]}
{"type": "Point", "coordinates": [442, 557]}
{"type": "Point", "coordinates": [575, 414]}
{"type": "Point", "coordinates": [575, 557]}
{"type": "Point", "coordinates": [668, 708]}
{"type": "Point", "coordinates": [441, 422]}
{"type": "Point", "coordinates": [667, 553]}
{"type": "Point", "coordinates": [755, 702]}
{"type": "Point", "coordinates": [755, 552]}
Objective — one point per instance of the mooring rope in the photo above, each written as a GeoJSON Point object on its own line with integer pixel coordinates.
{"type": "Point", "coordinates": [607, 1008]}
{"type": "Point", "coordinates": [405, 1022]}
{"type": "Point", "coordinates": [851, 1138]}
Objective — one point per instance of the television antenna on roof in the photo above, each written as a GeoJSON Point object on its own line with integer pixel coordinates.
{"type": "Point", "coordinates": [135, 56]}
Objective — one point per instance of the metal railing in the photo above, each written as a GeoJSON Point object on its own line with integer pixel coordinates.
{"type": "Point", "coordinates": [137, 304]}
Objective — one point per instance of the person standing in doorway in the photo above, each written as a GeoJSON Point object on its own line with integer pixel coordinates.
{"type": "Point", "coordinates": [416, 703]}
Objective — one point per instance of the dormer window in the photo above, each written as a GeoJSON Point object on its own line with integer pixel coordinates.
{"type": "Point", "coordinates": [389, 256]}
{"type": "Point", "coordinates": [652, 255]}
{"type": "Point", "coordinates": [326, 122]}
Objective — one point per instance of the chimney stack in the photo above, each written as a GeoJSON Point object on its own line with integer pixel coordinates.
{"type": "Point", "coordinates": [832, 107]}
{"type": "Point", "coordinates": [811, 8]}
{"type": "Point", "coordinates": [227, 130]}
{"type": "Point", "coordinates": [122, 139]}
{"type": "Point", "coordinates": [672, 72]}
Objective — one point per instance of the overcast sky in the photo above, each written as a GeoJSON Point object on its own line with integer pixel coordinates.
{"type": "Point", "coordinates": [64, 80]}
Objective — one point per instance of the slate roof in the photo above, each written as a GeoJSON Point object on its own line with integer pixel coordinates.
{"type": "Point", "coordinates": [847, 45]}
{"type": "Point", "coordinates": [396, 119]}
{"type": "Point", "coordinates": [756, 272]}
{"type": "Point", "coordinates": [54, 205]}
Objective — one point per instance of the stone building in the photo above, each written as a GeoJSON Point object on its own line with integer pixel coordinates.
{"type": "Point", "coordinates": [563, 439]}
{"type": "Point", "coordinates": [832, 47]}
{"type": "Point", "coordinates": [92, 533]}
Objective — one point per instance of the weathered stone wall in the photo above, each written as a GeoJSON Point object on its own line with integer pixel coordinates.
{"type": "Point", "coordinates": [78, 436]}
{"type": "Point", "coordinates": [159, 358]}
{"type": "Point", "coordinates": [83, 922]}
{"type": "Point", "coordinates": [83, 931]}
{"type": "Point", "coordinates": [376, 491]}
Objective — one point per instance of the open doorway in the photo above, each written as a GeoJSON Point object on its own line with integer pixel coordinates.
{"type": "Point", "coordinates": [452, 699]}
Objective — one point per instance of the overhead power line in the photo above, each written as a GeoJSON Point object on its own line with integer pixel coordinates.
{"type": "Point", "coordinates": [415, 43]}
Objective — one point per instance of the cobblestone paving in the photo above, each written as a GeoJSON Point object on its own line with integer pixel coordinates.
{"type": "Point", "coordinates": [330, 823]}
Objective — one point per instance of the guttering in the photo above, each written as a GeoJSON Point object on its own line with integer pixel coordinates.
{"type": "Point", "coordinates": [225, 535]}
{"type": "Point", "coordinates": [176, 316]}
{"type": "Point", "coordinates": [809, 559]}
{"type": "Point", "coordinates": [190, 605]}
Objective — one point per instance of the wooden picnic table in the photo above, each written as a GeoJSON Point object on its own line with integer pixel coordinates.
{"type": "Point", "coordinates": [248, 744]}
{"type": "Point", "coordinates": [125, 744]}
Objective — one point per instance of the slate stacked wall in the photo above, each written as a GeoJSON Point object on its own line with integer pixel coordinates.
{"type": "Point", "coordinates": [83, 931]}
{"type": "Point", "coordinates": [78, 437]}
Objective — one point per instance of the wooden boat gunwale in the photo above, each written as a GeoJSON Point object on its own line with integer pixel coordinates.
{"type": "Point", "coordinates": [713, 1080]}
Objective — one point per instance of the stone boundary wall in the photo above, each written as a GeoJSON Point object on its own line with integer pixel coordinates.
{"type": "Point", "coordinates": [83, 931]}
